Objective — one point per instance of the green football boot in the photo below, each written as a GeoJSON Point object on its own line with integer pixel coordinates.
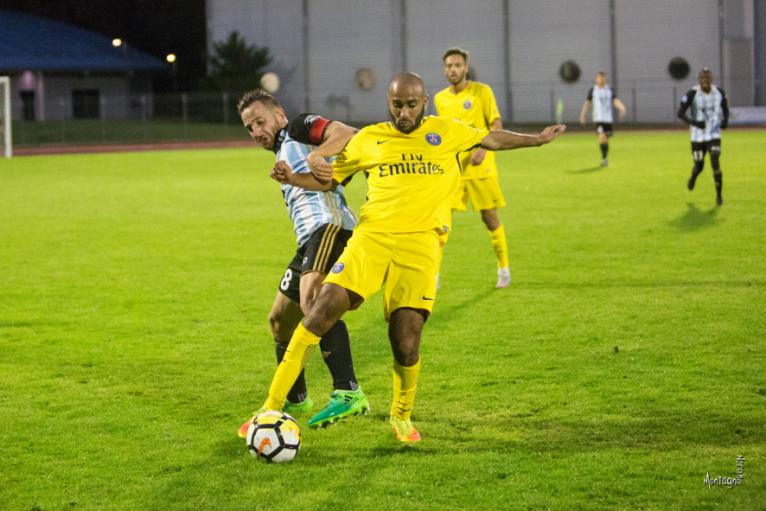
{"type": "Point", "coordinates": [343, 403]}
{"type": "Point", "coordinates": [304, 406]}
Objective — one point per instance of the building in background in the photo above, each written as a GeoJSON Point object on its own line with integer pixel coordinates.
{"type": "Point", "coordinates": [59, 71]}
{"type": "Point", "coordinates": [340, 54]}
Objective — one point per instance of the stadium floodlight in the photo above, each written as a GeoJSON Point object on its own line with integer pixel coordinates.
{"type": "Point", "coordinates": [116, 42]}
{"type": "Point", "coordinates": [171, 57]}
{"type": "Point", "coordinates": [5, 116]}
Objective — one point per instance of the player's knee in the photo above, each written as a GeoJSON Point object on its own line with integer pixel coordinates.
{"type": "Point", "coordinates": [319, 319]}
{"type": "Point", "coordinates": [326, 311]}
{"type": "Point", "coordinates": [490, 218]}
{"type": "Point", "coordinates": [699, 165]}
{"type": "Point", "coordinates": [407, 352]}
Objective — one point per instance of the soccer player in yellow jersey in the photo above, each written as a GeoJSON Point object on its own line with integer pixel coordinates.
{"type": "Point", "coordinates": [412, 174]}
{"type": "Point", "coordinates": [474, 104]}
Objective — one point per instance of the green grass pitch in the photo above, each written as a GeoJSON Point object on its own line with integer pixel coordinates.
{"type": "Point", "coordinates": [625, 363]}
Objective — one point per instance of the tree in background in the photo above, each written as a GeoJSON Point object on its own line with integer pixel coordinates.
{"type": "Point", "coordinates": [236, 66]}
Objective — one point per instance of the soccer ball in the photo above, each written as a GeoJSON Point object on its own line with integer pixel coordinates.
{"type": "Point", "coordinates": [274, 436]}
{"type": "Point", "coordinates": [270, 82]}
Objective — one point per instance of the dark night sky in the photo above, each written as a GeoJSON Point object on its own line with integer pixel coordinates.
{"type": "Point", "coordinates": [157, 27]}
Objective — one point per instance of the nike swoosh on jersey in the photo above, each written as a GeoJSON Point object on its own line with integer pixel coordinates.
{"type": "Point", "coordinates": [383, 141]}
{"type": "Point", "coordinates": [426, 298]}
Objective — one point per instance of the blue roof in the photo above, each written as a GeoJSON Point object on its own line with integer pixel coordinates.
{"type": "Point", "coordinates": [38, 44]}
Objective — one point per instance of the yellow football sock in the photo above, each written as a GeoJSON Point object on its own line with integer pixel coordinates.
{"type": "Point", "coordinates": [501, 249]}
{"type": "Point", "coordinates": [302, 345]}
{"type": "Point", "coordinates": [405, 382]}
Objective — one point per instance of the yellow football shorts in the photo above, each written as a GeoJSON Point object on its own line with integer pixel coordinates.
{"type": "Point", "coordinates": [484, 193]}
{"type": "Point", "coordinates": [406, 264]}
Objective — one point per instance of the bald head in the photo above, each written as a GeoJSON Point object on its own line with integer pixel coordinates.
{"type": "Point", "coordinates": [407, 82]}
{"type": "Point", "coordinates": [407, 101]}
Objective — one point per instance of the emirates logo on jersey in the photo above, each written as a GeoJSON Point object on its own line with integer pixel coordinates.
{"type": "Point", "coordinates": [467, 105]}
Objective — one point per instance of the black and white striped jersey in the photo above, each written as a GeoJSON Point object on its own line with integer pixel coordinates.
{"type": "Point", "coordinates": [710, 109]}
{"type": "Point", "coordinates": [601, 99]}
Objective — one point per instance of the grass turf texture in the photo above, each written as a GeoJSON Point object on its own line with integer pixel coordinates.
{"type": "Point", "coordinates": [623, 365]}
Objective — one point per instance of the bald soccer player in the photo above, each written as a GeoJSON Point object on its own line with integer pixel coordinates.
{"type": "Point", "coordinates": [413, 172]}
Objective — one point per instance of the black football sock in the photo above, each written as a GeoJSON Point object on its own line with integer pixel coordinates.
{"type": "Point", "coordinates": [336, 351]}
{"type": "Point", "coordinates": [718, 176]}
{"type": "Point", "coordinates": [604, 150]}
{"type": "Point", "coordinates": [298, 392]}
{"type": "Point", "coordinates": [696, 169]}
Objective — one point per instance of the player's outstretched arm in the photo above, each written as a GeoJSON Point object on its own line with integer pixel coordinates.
{"type": "Point", "coordinates": [283, 173]}
{"type": "Point", "coordinates": [478, 155]}
{"type": "Point", "coordinates": [505, 140]}
{"type": "Point", "coordinates": [336, 136]}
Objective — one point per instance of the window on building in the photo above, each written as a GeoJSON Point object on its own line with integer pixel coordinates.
{"type": "Point", "coordinates": [27, 105]}
{"type": "Point", "coordinates": [85, 103]}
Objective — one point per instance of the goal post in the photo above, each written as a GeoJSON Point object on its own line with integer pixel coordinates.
{"type": "Point", "coordinates": [5, 116]}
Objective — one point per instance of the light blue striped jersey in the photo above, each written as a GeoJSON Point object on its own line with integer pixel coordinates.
{"type": "Point", "coordinates": [307, 209]}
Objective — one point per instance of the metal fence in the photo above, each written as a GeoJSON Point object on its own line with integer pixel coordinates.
{"type": "Point", "coordinates": [151, 118]}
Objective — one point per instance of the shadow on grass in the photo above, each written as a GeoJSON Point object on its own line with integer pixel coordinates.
{"type": "Point", "coordinates": [449, 311]}
{"type": "Point", "coordinates": [694, 218]}
{"type": "Point", "coordinates": [587, 170]}
{"type": "Point", "coordinates": [671, 431]}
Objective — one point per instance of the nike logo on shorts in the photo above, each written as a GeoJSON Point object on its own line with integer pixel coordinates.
{"type": "Point", "coordinates": [426, 298]}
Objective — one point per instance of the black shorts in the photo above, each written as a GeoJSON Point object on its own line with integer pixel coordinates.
{"type": "Point", "coordinates": [319, 253]}
{"type": "Point", "coordinates": [605, 127]}
{"type": "Point", "coordinates": [699, 149]}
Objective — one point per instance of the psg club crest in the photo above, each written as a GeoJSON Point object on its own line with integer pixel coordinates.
{"type": "Point", "coordinates": [433, 138]}
{"type": "Point", "coordinates": [467, 105]}
{"type": "Point", "coordinates": [338, 267]}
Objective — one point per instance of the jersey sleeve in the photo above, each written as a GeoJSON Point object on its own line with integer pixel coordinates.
{"type": "Point", "coordinates": [464, 137]}
{"type": "Point", "coordinates": [352, 159]}
{"type": "Point", "coordinates": [590, 94]}
{"type": "Point", "coordinates": [491, 112]}
{"type": "Point", "coordinates": [724, 109]}
{"type": "Point", "coordinates": [308, 128]}
{"type": "Point", "coordinates": [686, 102]}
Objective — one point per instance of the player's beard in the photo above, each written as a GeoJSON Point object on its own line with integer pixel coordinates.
{"type": "Point", "coordinates": [459, 79]}
{"type": "Point", "coordinates": [414, 126]}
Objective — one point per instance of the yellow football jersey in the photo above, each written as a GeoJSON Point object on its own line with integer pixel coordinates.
{"type": "Point", "coordinates": [411, 177]}
{"type": "Point", "coordinates": [476, 106]}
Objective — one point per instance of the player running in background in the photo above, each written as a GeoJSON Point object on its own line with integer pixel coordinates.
{"type": "Point", "coordinates": [601, 98]}
{"type": "Point", "coordinates": [412, 172]}
{"type": "Point", "coordinates": [323, 224]}
{"type": "Point", "coordinates": [709, 115]}
{"type": "Point", "coordinates": [474, 104]}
